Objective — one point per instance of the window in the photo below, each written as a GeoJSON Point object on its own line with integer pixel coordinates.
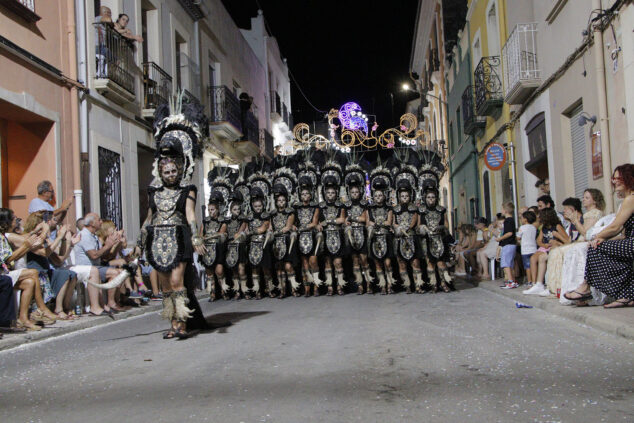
{"type": "Point", "coordinates": [536, 134]}
{"type": "Point", "coordinates": [236, 89]}
{"type": "Point", "coordinates": [493, 32]}
{"type": "Point", "coordinates": [477, 50]}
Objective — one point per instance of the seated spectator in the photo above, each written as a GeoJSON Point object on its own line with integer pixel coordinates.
{"type": "Point", "coordinates": [25, 280]}
{"type": "Point", "coordinates": [90, 252]}
{"type": "Point", "coordinates": [573, 271]}
{"type": "Point", "coordinates": [7, 302]}
{"type": "Point", "coordinates": [546, 201]}
{"type": "Point", "coordinates": [49, 258]}
{"type": "Point", "coordinates": [545, 241]}
{"type": "Point", "coordinates": [121, 26]}
{"type": "Point", "coordinates": [490, 250]}
{"type": "Point", "coordinates": [572, 213]}
{"type": "Point", "coordinates": [609, 262]}
{"type": "Point", "coordinates": [482, 238]}
{"type": "Point", "coordinates": [527, 236]}
{"type": "Point", "coordinates": [472, 245]}
{"type": "Point", "coordinates": [46, 195]}
{"type": "Point", "coordinates": [116, 257]}
{"type": "Point", "coordinates": [79, 224]}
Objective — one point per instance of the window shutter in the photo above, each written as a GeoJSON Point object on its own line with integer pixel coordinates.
{"type": "Point", "coordinates": [579, 162]}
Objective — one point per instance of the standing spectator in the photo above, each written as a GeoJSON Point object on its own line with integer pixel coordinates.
{"type": "Point", "coordinates": [609, 263]}
{"type": "Point", "coordinates": [90, 252]}
{"type": "Point", "coordinates": [527, 235]}
{"type": "Point", "coordinates": [508, 243]}
{"type": "Point", "coordinates": [545, 241]}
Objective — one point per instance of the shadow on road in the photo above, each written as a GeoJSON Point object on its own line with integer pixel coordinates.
{"type": "Point", "coordinates": [221, 321]}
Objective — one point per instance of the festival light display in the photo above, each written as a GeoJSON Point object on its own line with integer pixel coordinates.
{"type": "Point", "coordinates": [352, 117]}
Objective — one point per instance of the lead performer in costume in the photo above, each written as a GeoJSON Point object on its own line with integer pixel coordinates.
{"type": "Point", "coordinates": [170, 233]}
{"type": "Point", "coordinates": [380, 218]}
{"type": "Point", "coordinates": [284, 246]}
{"type": "Point", "coordinates": [214, 233]}
{"type": "Point", "coordinates": [332, 214]}
{"type": "Point", "coordinates": [356, 218]}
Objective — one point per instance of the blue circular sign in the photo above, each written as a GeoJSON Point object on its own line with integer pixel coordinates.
{"type": "Point", "coordinates": [495, 156]}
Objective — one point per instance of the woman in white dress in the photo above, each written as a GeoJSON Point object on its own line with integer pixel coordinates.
{"type": "Point", "coordinates": [574, 264]}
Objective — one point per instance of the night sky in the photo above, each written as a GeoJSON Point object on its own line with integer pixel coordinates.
{"type": "Point", "coordinates": [341, 51]}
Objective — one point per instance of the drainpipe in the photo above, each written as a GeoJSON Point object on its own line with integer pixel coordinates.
{"type": "Point", "coordinates": [82, 145]}
{"type": "Point", "coordinates": [599, 66]}
{"type": "Point", "coordinates": [74, 109]}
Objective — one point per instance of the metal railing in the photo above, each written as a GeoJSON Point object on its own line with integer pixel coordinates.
{"type": "Point", "coordinates": [471, 121]}
{"type": "Point", "coordinates": [29, 4]}
{"type": "Point", "coordinates": [266, 143]}
{"type": "Point", "coordinates": [520, 56]}
{"type": "Point", "coordinates": [250, 128]}
{"type": "Point", "coordinates": [224, 106]}
{"type": "Point", "coordinates": [114, 56]}
{"type": "Point", "coordinates": [488, 85]}
{"type": "Point", "coordinates": [276, 102]}
{"type": "Point", "coordinates": [157, 85]}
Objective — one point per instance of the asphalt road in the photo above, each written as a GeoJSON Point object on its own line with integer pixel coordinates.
{"type": "Point", "coordinates": [468, 356]}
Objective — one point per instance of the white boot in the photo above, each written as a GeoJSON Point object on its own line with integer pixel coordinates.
{"type": "Point", "coordinates": [358, 277]}
{"type": "Point", "coordinates": [341, 283]}
{"type": "Point", "coordinates": [316, 279]}
{"type": "Point", "coordinates": [367, 276]}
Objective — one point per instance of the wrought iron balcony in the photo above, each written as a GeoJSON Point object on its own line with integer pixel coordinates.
{"type": "Point", "coordinates": [157, 87]}
{"type": "Point", "coordinates": [114, 64]}
{"type": "Point", "coordinates": [276, 106]}
{"type": "Point", "coordinates": [266, 143]}
{"type": "Point", "coordinates": [488, 86]}
{"type": "Point", "coordinates": [521, 70]}
{"type": "Point", "coordinates": [472, 122]}
{"type": "Point", "coordinates": [224, 109]}
{"type": "Point", "coordinates": [250, 127]}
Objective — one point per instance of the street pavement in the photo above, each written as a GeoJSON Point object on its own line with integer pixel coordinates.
{"type": "Point", "coordinates": [470, 355]}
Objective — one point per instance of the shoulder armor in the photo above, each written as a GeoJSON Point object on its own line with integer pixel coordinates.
{"type": "Point", "coordinates": [265, 215]}
{"type": "Point", "coordinates": [440, 208]}
{"type": "Point", "coordinates": [396, 208]}
{"type": "Point", "coordinates": [290, 210]}
{"type": "Point", "coordinates": [347, 204]}
{"type": "Point", "coordinates": [412, 208]}
{"type": "Point", "coordinates": [338, 204]}
{"type": "Point", "coordinates": [322, 204]}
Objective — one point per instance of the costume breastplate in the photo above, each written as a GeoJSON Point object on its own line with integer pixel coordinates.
{"type": "Point", "coordinates": [254, 224]}
{"type": "Point", "coordinates": [331, 212]}
{"type": "Point", "coordinates": [166, 213]}
{"type": "Point", "coordinates": [279, 220]}
{"type": "Point", "coordinates": [305, 215]}
{"type": "Point", "coordinates": [212, 226]}
{"type": "Point", "coordinates": [379, 216]}
{"type": "Point", "coordinates": [404, 219]}
{"type": "Point", "coordinates": [354, 212]}
{"type": "Point", "coordinates": [433, 219]}
{"type": "Point", "coordinates": [233, 226]}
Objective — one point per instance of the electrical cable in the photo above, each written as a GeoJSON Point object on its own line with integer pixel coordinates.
{"type": "Point", "coordinates": [299, 88]}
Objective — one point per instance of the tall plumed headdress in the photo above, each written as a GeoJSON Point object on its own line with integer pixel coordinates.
{"type": "Point", "coordinates": [260, 180]}
{"type": "Point", "coordinates": [241, 189]}
{"type": "Point", "coordinates": [221, 179]}
{"type": "Point", "coordinates": [331, 172]}
{"type": "Point", "coordinates": [381, 178]}
{"type": "Point", "coordinates": [405, 172]}
{"type": "Point", "coordinates": [308, 172]}
{"type": "Point", "coordinates": [354, 174]}
{"type": "Point", "coordinates": [431, 170]}
{"type": "Point", "coordinates": [180, 128]}
{"type": "Point", "coordinates": [285, 175]}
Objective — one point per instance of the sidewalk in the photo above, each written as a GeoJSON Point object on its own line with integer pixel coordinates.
{"type": "Point", "coordinates": [12, 340]}
{"type": "Point", "coordinates": [618, 322]}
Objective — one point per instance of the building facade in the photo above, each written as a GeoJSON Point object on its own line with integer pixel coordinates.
{"type": "Point", "coordinates": [38, 101]}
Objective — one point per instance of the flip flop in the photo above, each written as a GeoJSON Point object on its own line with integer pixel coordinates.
{"type": "Point", "coordinates": [583, 297]}
{"type": "Point", "coordinates": [620, 304]}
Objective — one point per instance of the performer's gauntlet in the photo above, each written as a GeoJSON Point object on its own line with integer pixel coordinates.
{"type": "Point", "coordinates": [197, 240]}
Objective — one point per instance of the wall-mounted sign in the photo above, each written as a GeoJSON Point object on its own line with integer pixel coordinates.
{"type": "Point", "coordinates": [495, 156]}
{"type": "Point", "coordinates": [597, 156]}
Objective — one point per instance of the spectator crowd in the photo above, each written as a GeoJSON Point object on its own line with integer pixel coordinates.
{"type": "Point", "coordinates": [580, 255]}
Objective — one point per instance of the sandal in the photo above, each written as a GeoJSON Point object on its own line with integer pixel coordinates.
{"type": "Point", "coordinates": [39, 316]}
{"type": "Point", "coordinates": [340, 291]}
{"type": "Point", "coordinates": [408, 290]}
{"type": "Point", "coordinates": [30, 327]}
{"type": "Point", "coordinates": [582, 296]}
{"type": "Point", "coordinates": [624, 302]}
{"type": "Point", "coordinates": [169, 334]}
{"type": "Point", "coordinates": [360, 290]}
{"type": "Point", "coordinates": [445, 287]}
{"type": "Point", "coordinates": [181, 333]}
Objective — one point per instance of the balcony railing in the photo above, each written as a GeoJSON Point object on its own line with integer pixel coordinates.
{"type": "Point", "coordinates": [29, 4]}
{"type": "Point", "coordinates": [224, 106]}
{"type": "Point", "coordinates": [521, 69]}
{"type": "Point", "coordinates": [276, 103]}
{"type": "Point", "coordinates": [114, 57]}
{"type": "Point", "coordinates": [250, 128]}
{"type": "Point", "coordinates": [157, 85]}
{"type": "Point", "coordinates": [266, 143]}
{"type": "Point", "coordinates": [488, 86]}
{"type": "Point", "coordinates": [471, 121]}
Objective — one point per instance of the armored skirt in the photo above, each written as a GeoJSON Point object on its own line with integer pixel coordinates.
{"type": "Point", "coordinates": [285, 249]}
{"type": "Point", "coordinates": [334, 244]}
{"type": "Point", "coordinates": [215, 254]}
{"type": "Point", "coordinates": [381, 246]}
{"type": "Point", "coordinates": [259, 254]}
{"type": "Point", "coordinates": [235, 253]}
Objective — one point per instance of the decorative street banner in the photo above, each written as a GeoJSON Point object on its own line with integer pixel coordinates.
{"type": "Point", "coordinates": [597, 156]}
{"type": "Point", "coordinates": [495, 156]}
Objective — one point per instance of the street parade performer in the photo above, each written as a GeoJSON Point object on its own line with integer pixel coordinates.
{"type": "Point", "coordinates": [258, 222]}
{"type": "Point", "coordinates": [214, 232]}
{"type": "Point", "coordinates": [170, 234]}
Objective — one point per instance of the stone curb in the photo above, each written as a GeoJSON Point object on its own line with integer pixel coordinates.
{"type": "Point", "coordinates": [602, 323]}
{"type": "Point", "coordinates": [15, 340]}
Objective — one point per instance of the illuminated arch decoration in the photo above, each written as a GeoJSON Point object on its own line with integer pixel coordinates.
{"type": "Point", "coordinates": [354, 134]}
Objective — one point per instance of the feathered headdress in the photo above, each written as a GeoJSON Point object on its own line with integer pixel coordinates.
{"type": "Point", "coordinates": [331, 172]}
{"type": "Point", "coordinates": [405, 172]}
{"type": "Point", "coordinates": [180, 127]}
{"type": "Point", "coordinates": [220, 179]}
{"type": "Point", "coordinates": [431, 170]}
{"type": "Point", "coordinates": [355, 173]}
{"type": "Point", "coordinates": [308, 171]}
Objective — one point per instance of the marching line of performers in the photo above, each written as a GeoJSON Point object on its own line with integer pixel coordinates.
{"type": "Point", "coordinates": [278, 224]}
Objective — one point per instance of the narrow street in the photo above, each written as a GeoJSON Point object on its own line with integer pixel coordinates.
{"type": "Point", "coordinates": [466, 356]}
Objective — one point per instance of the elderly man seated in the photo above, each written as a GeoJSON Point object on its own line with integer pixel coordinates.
{"type": "Point", "coordinates": [90, 254]}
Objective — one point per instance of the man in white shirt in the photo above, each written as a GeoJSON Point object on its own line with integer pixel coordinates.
{"type": "Point", "coordinates": [45, 195]}
{"type": "Point", "coordinates": [90, 252]}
